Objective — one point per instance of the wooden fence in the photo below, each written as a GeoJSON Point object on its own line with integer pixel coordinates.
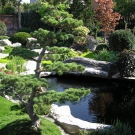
{"type": "Point", "coordinates": [129, 21]}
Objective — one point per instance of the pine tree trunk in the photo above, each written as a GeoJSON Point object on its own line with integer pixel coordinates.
{"type": "Point", "coordinates": [41, 55]}
{"type": "Point", "coordinates": [30, 110]}
{"type": "Point", "coordinates": [105, 38]}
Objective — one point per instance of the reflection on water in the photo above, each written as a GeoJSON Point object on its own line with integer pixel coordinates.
{"type": "Point", "coordinates": [108, 100]}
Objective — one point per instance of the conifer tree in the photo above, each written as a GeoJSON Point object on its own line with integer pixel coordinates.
{"type": "Point", "coordinates": [61, 22]}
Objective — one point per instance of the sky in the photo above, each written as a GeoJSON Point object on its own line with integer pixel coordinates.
{"type": "Point", "coordinates": [26, 1]}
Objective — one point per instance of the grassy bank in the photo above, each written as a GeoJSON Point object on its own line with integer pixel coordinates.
{"type": "Point", "coordinates": [14, 122]}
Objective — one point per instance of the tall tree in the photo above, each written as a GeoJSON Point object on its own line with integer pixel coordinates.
{"type": "Point", "coordinates": [107, 18]}
{"type": "Point", "coordinates": [82, 10]}
{"type": "Point", "coordinates": [61, 22]}
{"type": "Point", "coordinates": [125, 8]}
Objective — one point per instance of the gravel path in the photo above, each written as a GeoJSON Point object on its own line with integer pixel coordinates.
{"type": "Point", "coordinates": [3, 55]}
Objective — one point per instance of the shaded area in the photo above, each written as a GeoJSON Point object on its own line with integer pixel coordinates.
{"type": "Point", "coordinates": [19, 127]}
{"type": "Point", "coordinates": [119, 103]}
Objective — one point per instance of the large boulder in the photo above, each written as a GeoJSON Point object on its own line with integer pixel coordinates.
{"type": "Point", "coordinates": [5, 42]}
{"type": "Point", "coordinates": [31, 43]}
{"type": "Point", "coordinates": [70, 124]}
{"type": "Point", "coordinates": [91, 43]}
{"type": "Point", "coordinates": [16, 45]}
{"type": "Point", "coordinates": [95, 68]}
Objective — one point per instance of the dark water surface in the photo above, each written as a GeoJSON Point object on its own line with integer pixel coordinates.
{"type": "Point", "coordinates": [107, 101]}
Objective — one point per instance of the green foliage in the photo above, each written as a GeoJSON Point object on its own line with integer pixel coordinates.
{"type": "Point", "coordinates": [119, 128]}
{"type": "Point", "coordinates": [8, 9]}
{"type": "Point", "coordinates": [4, 37]}
{"type": "Point", "coordinates": [125, 7]}
{"type": "Point", "coordinates": [46, 62]}
{"type": "Point", "coordinates": [80, 40]}
{"type": "Point", "coordinates": [23, 52]}
{"type": "Point", "coordinates": [100, 39]}
{"type": "Point", "coordinates": [59, 53]}
{"type": "Point", "coordinates": [105, 55]}
{"type": "Point", "coordinates": [60, 67]}
{"type": "Point", "coordinates": [71, 94]}
{"type": "Point", "coordinates": [3, 28]}
{"type": "Point", "coordinates": [81, 31]}
{"type": "Point", "coordinates": [7, 49]}
{"type": "Point", "coordinates": [64, 39]}
{"type": "Point", "coordinates": [58, 19]}
{"type": "Point", "coordinates": [20, 37]}
{"type": "Point", "coordinates": [11, 120]}
{"type": "Point", "coordinates": [126, 63]}
{"type": "Point", "coordinates": [101, 46]}
{"type": "Point", "coordinates": [42, 108]}
{"type": "Point", "coordinates": [4, 60]}
{"type": "Point", "coordinates": [24, 29]}
{"type": "Point", "coordinates": [5, 106]}
{"type": "Point", "coordinates": [43, 35]}
{"type": "Point", "coordinates": [82, 10]}
{"type": "Point", "coordinates": [122, 39]}
{"type": "Point", "coordinates": [88, 55]}
{"type": "Point", "coordinates": [22, 85]}
{"type": "Point", "coordinates": [16, 64]}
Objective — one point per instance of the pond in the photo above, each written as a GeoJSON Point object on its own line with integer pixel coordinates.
{"type": "Point", "coordinates": [108, 101]}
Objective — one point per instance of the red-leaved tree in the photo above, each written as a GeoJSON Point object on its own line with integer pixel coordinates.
{"type": "Point", "coordinates": [105, 15]}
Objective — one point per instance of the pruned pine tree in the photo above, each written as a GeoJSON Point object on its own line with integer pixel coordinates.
{"type": "Point", "coordinates": [60, 21]}
{"type": "Point", "coordinates": [25, 89]}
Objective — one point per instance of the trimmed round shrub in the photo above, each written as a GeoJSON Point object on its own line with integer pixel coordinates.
{"type": "Point", "coordinates": [20, 37]}
{"type": "Point", "coordinates": [122, 39]}
{"type": "Point", "coordinates": [3, 28]}
{"type": "Point", "coordinates": [102, 46]}
{"type": "Point", "coordinates": [4, 37]}
{"type": "Point", "coordinates": [126, 63]}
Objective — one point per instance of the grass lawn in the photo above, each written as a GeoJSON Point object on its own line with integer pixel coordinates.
{"type": "Point", "coordinates": [14, 122]}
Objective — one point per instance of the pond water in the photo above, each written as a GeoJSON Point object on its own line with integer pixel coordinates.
{"type": "Point", "coordinates": [107, 101]}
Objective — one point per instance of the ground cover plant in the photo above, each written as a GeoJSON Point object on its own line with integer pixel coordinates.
{"type": "Point", "coordinates": [13, 119]}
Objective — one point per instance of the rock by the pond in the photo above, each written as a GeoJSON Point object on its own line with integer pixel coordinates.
{"type": "Point", "coordinates": [16, 45]}
{"type": "Point", "coordinates": [91, 43]}
{"type": "Point", "coordinates": [31, 42]}
{"type": "Point", "coordinates": [95, 68]}
{"type": "Point", "coordinates": [70, 124]}
{"type": "Point", "coordinates": [5, 42]}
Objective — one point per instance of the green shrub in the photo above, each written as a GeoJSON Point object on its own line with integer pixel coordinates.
{"type": "Point", "coordinates": [23, 52]}
{"type": "Point", "coordinates": [88, 54]}
{"type": "Point", "coordinates": [101, 47]}
{"type": "Point", "coordinates": [59, 53]}
{"type": "Point", "coordinates": [16, 64]}
{"type": "Point", "coordinates": [105, 55]}
{"type": "Point", "coordinates": [8, 49]}
{"type": "Point", "coordinates": [8, 9]}
{"type": "Point", "coordinates": [60, 67]}
{"type": "Point", "coordinates": [3, 28]}
{"type": "Point", "coordinates": [118, 128]}
{"type": "Point", "coordinates": [122, 39]}
{"type": "Point", "coordinates": [4, 37]}
{"type": "Point", "coordinates": [20, 37]}
{"type": "Point", "coordinates": [126, 63]}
